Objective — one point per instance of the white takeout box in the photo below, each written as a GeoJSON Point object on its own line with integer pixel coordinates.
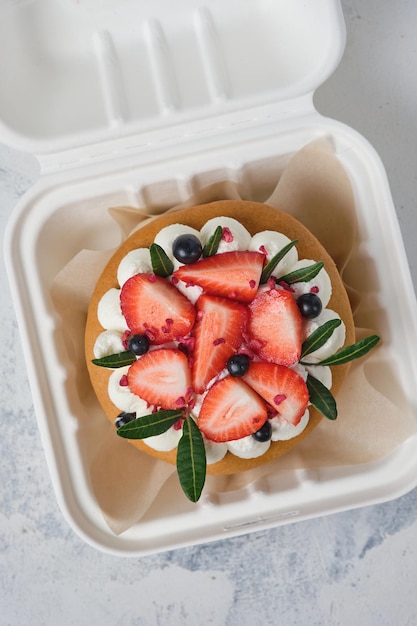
{"type": "Point", "coordinates": [134, 103]}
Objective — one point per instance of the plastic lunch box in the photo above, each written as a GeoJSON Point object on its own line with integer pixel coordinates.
{"type": "Point", "coordinates": [134, 103]}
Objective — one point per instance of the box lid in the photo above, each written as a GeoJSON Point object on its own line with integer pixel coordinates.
{"type": "Point", "coordinates": [78, 72]}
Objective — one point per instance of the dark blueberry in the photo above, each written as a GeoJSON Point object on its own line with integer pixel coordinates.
{"type": "Point", "coordinates": [124, 418]}
{"type": "Point", "coordinates": [264, 433]}
{"type": "Point", "coordinates": [187, 248]}
{"type": "Point", "coordinates": [138, 344]}
{"type": "Point", "coordinates": [310, 305]}
{"type": "Point", "coordinates": [238, 364]}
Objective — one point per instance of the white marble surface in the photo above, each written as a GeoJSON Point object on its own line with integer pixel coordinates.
{"type": "Point", "coordinates": [355, 567]}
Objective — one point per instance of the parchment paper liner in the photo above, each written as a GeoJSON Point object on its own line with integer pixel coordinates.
{"type": "Point", "coordinates": [372, 421]}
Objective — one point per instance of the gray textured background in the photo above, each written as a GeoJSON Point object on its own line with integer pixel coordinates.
{"type": "Point", "coordinates": [356, 567]}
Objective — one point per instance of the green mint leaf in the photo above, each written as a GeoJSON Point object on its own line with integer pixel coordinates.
{"type": "Point", "coordinates": [114, 361]}
{"type": "Point", "coordinates": [149, 425]}
{"type": "Point", "coordinates": [318, 338]}
{"type": "Point", "coordinates": [271, 265]}
{"type": "Point", "coordinates": [303, 275]}
{"type": "Point", "coordinates": [321, 398]}
{"type": "Point", "coordinates": [212, 244]}
{"type": "Point", "coordinates": [355, 351]}
{"type": "Point", "coordinates": [191, 460]}
{"type": "Point", "coordinates": [161, 263]}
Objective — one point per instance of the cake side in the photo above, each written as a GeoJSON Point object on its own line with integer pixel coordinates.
{"type": "Point", "coordinates": [254, 217]}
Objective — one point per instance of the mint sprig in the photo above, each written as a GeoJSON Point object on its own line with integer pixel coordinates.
{"type": "Point", "coordinates": [318, 338]}
{"type": "Point", "coordinates": [302, 275]}
{"type": "Point", "coordinates": [191, 460]}
{"type": "Point", "coordinates": [161, 263]}
{"type": "Point", "coordinates": [349, 353]}
{"type": "Point", "coordinates": [213, 242]}
{"type": "Point", "coordinates": [272, 263]}
{"type": "Point", "coordinates": [115, 361]}
{"type": "Point", "coordinates": [321, 398]}
{"type": "Point", "coordinates": [149, 425]}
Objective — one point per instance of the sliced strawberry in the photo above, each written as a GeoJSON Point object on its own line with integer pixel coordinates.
{"type": "Point", "coordinates": [154, 307]}
{"type": "Point", "coordinates": [218, 334]}
{"type": "Point", "coordinates": [161, 377]}
{"type": "Point", "coordinates": [281, 387]}
{"type": "Point", "coordinates": [232, 275]}
{"type": "Point", "coordinates": [231, 410]}
{"type": "Point", "coordinates": [274, 329]}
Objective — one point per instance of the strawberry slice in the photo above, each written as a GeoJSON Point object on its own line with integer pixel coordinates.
{"type": "Point", "coordinates": [231, 410]}
{"type": "Point", "coordinates": [281, 387]}
{"type": "Point", "coordinates": [218, 334]}
{"type": "Point", "coordinates": [161, 377]}
{"type": "Point", "coordinates": [154, 307]}
{"type": "Point", "coordinates": [274, 329]}
{"type": "Point", "coordinates": [232, 275]}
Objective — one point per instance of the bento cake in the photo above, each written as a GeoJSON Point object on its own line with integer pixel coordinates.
{"type": "Point", "coordinates": [214, 325]}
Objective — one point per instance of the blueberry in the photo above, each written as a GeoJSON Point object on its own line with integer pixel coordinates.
{"type": "Point", "coordinates": [138, 344]}
{"type": "Point", "coordinates": [238, 364]}
{"type": "Point", "coordinates": [310, 305]}
{"type": "Point", "coordinates": [187, 248]}
{"type": "Point", "coordinates": [124, 418]}
{"type": "Point", "coordinates": [264, 433]}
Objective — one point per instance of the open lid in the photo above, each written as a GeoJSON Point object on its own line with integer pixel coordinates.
{"type": "Point", "coordinates": [78, 72]}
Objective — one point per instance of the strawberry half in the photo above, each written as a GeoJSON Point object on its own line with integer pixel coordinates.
{"type": "Point", "coordinates": [232, 275]}
{"type": "Point", "coordinates": [161, 377]}
{"type": "Point", "coordinates": [218, 334]}
{"type": "Point", "coordinates": [274, 329]}
{"type": "Point", "coordinates": [231, 410]}
{"type": "Point", "coordinates": [281, 387]}
{"type": "Point", "coordinates": [154, 307]}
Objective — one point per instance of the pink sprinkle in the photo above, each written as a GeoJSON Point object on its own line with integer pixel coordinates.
{"type": "Point", "coordinates": [218, 341]}
{"type": "Point", "coordinates": [125, 339]}
{"type": "Point", "coordinates": [279, 398]}
{"type": "Point", "coordinates": [200, 315]}
{"type": "Point", "coordinates": [166, 329]}
{"type": "Point", "coordinates": [252, 284]}
{"type": "Point", "coordinates": [178, 424]}
{"type": "Point", "coordinates": [271, 283]}
{"type": "Point", "coordinates": [190, 283]}
{"type": "Point", "coordinates": [150, 335]}
{"type": "Point", "coordinates": [314, 290]}
{"type": "Point", "coordinates": [123, 381]}
{"type": "Point", "coordinates": [286, 286]}
{"type": "Point", "coordinates": [227, 235]}
{"type": "Point", "coordinates": [186, 345]}
{"type": "Point", "coordinates": [174, 280]}
{"type": "Point", "coordinates": [180, 401]}
{"type": "Point", "coordinates": [152, 278]}
{"type": "Point", "coordinates": [191, 403]}
{"type": "Point", "coordinates": [263, 250]}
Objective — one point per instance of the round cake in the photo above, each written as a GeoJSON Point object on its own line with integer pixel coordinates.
{"type": "Point", "coordinates": [225, 314]}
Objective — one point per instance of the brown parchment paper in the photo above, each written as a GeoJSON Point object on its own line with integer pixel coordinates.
{"type": "Point", "coordinates": [314, 188]}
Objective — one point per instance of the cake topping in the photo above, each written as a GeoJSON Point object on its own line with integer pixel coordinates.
{"type": "Point", "coordinates": [148, 301]}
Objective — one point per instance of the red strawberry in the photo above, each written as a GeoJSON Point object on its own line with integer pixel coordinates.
{"type": "Point", "coordinates": [275, 327]}
{"type": "Point", "coordinates": [281, 387]}
{"type": "Point", "coordinates": [154, 307]}
{"type": "Point", "coordinates": [232, 275]}
{"type": "Point", "coordinates": [218, 334]}
{"type": "Point", "coordinates": [161, 377]}
{"type": "Point", "coordinates": [231, 410]}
